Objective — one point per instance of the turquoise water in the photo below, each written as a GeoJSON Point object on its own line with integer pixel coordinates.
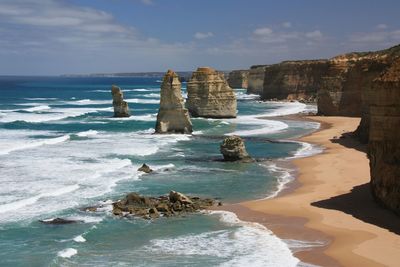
{"type": "Point", "coordinates": [60, 149]}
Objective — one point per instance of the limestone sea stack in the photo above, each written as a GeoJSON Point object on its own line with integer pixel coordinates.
{"type": "Point", "coordinates": [384, 137]}
{"type": "Point", "coordinates": [172, 116]}
{"type": "Point", "coordinates": [121, 108]}
{"type": "Point", "coordinates": [209, 95]}
{"type": "Point", "coordinates": [238, 79]}
{"type": "Point", "coordinates": [256, 79]}
{"type": "Point", "coordinates": [233, 149]}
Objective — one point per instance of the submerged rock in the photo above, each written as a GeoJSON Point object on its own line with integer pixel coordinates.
{"type": "Point", "coordinates": [145, 168]}
{"type": "Point", "coordinates": [172, 117]}
{"type": "Point", "coordinates": [209, 95]}
{"type": "Point", "coordinates": [121, 108]}
{"type": "Point", "coordinates": [153, 207]}
{"type": "Point", "coordinates": [59, 221]}
{"type": "Point", "coordinates": [233, 149]}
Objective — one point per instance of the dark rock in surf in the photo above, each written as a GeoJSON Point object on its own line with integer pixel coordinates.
{"type": "Point", "coordinates": [58, 221]}
{"type": "Point", "coordinates": [174, 204]}
{"type": "Point", "coordinates": [145, 168]}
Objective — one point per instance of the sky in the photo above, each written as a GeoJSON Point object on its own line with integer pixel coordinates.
{"type": "Point", "coordinates": [53, 37]}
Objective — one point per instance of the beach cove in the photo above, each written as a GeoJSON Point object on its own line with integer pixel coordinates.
{"type": "Point", "coordinates": [330, 202]}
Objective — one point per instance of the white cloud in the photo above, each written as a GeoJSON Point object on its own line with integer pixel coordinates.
{"type": "Point", "coordinates": [269, 36]}
{"type": "Point", "coordinates": [263, 31]}
{"type": "Point", "coordinates": [314, 34]}
{"type": "Point", "coordinates": [203, 35]}
{"type": "Point", "coordinates": [376, 37]}
{"type": "Point", "coordinates": [381, 27]}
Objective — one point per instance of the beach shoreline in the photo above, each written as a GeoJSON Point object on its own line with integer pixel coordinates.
{"type": "Point", "coordinates": [329, 204]}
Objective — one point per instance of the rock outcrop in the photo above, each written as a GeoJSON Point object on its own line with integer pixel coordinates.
{"type": "Point", "coordinates": [209, 95]}
{"type": "Point", "coordinates": [294, 80]}
{"type": "Point", "coordinates": [238, 79]}
{"type": "Point", "coordinates": [175, 204]}
{"type": "Point", "coordinates": [256, 79]}
{"type": "Point", "coordinates": [233, 149]}
{"type": "Point", "coordinates": [145, 168]}
{"type": "Point", "coordinates": [121, 108]}
{"type": "Point", "coordinates": [384, 137]}
{"type": "Point", "coordinates": [172, 116]}
{"type": "Point", "coordinates": [59, 221]}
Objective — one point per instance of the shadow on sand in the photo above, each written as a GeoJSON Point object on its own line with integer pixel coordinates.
{"type": "Point", "coordinates": [360, 204]}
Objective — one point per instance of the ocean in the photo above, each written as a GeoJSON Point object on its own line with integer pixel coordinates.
{"type": "Point", "coordinates": [61, 150]}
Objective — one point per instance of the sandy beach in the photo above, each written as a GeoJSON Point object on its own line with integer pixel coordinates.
{"type": "Point", "coordinates": [330, 201]}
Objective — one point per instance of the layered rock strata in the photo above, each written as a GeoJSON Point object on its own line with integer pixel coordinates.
{"type": "Point", "coordinates": [209, 95]}
{"type": "Point", "coordinates": [172, 116]}
{"type": "Point", "coordinates": [294, 80]}
{"type": "Point", "coordinates": [384, 137]}
{"type": "Point", "coordinates": [238, 79]}
{"type": "Point", "coordinates": [256, 79]}
{"type": "Point", "coordinates": [121, 108]}
{"type": "Point", "coordinates": [233, 149]}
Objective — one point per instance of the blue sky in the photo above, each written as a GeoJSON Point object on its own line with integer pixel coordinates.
{"type": "Point", "coordinates": [51, 37]}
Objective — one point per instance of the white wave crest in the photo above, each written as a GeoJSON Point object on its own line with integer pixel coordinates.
{"type": "Point", "coordinates": [67, 253]}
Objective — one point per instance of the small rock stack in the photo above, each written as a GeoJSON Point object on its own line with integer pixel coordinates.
{"type": "Point", "coordinates": [233, 149]}
{"type": "Point", "coordinates": [121, 108]}
{"type": "Point", "coordinates": [172, 116]}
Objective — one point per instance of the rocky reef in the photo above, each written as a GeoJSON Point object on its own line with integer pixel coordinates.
{"type": "Point", "coordinates": [238, 79]}
{"type": "Point", "coordinates": [256, 79]}
{"type": "Point", "coordinates": [384, 137]}
{"type": "Point", "coordinates": [294, 80]}
{"type": "Point", "coordinates": [121, 108]}
{"type": "Point", "coordinates": [209, 95]}
{"type": "Point", "coordinates": [172, 116]}
{"type": "Point", "coordinates": [174, 204]}
{"type": "Point", "coordinates": [233, 149]}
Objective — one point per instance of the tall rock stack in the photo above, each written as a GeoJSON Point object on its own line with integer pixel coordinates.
{"type": "Point", "coordinates": [121, 108]}
{"type": "Point", "coordinates": [256, 79]}
{"type": "Point", "coordinates": [384, 137]}
{"type": "Point", "coordinates": [238, 79]}
{"type": "Point", "coordinates": [172, 116]}
{"type": "Point", "coordinates": [209, 95]}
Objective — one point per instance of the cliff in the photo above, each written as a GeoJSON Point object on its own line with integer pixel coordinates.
{"type": "Point", "coordinates": [384, 137]}
{"type": "Point", "coordinates": [385, 59]}
{"type": "Point", "coordinates": [343, 87]}
{"type": "Point", "coordinates": [294, 80]}
{"type": "Point", "coordinates": [172, 117]}
{"type": "Point", "coordinates": [238, 79]}
{"type": "Point", "coordinates": [121, 108]}
{"type": "Point", "coordinates": [209, 95]}
{"type": "Point", "coordinates": [256, 79]}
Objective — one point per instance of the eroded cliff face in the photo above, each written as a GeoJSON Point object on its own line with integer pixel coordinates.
{"type": "Point", "coordinates": [172, 117]}
{"type": "Point", "coordinates": [343, 85]}
{"type": "Point", "coordinates": [209, 95]}
{"type": "Point", "coordinates": [238, 79]}
{"type": "Point", "coordinates": [294, 80]}
{"type": "Point", "coordinates": [256, 79]}
{"type": "Point", "coordinates": [384, 137]}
